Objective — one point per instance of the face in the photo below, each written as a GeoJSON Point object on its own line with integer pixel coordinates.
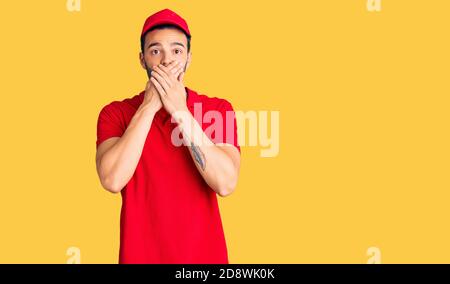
{"type": "Point", "coordinates": [163, 46]}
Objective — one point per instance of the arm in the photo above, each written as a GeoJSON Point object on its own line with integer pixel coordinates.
{"type": "Point", "coordinates": [218, 164]}
{"type": "Point", "coordinates": [117, 158]}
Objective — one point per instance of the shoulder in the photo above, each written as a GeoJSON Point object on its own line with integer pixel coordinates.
{"type": "Point", "coordinates": [123, 106]}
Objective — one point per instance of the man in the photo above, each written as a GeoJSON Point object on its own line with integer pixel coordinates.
{"type": "Point", "coordinates": [169, 204]}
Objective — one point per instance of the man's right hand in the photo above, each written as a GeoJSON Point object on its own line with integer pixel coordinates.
{"type": "Point", "coordinates": [151, 97]}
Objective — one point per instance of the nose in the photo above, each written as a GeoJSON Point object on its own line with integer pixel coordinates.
{"type": "Point", "coordinates": [166, 60]}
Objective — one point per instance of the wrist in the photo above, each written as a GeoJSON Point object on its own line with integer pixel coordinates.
{"type": "Point", "coordinates": [182, 117]}
{"type": "Point", "coordinates": [146, 110]}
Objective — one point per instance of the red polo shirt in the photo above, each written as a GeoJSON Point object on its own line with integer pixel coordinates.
{"type": "Point", "coordinates": [169, 214]}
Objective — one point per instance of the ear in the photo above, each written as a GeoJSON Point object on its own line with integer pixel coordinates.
{"type": "Point", "coordinates": [142, 60]}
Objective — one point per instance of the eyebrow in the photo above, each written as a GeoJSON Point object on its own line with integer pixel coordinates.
{"type": "Point", "coordinates": [177, 43]}
{"type": "Point", "coordinates": [173, 43]}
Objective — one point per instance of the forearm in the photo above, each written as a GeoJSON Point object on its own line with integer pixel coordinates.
{"type": "Point", "coordinates": [118, 164]}
{"type": "Point", "coordinates": [215, 166]}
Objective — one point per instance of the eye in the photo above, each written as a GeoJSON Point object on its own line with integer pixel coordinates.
{"type": "Point", "coordinates": [178, 51]}
{"type": "Point", "coordinates": [154, 52]}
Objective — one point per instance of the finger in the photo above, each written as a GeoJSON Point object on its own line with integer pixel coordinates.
{"type": "Point", "coordinates": [168, 73]}
{"type": "Point", "coordinates": [181, 77]}
{"type": "Point", "coordinates": [172, 64]}
{"type": "Point", "coordinates": [180, 69]}
{"type": "Point", "coordinates": [177, 69]}
{"type": "Point", "coordinates": [167, 76]}
{"type": "Point", "coordinates": [158, 87]}
{"type": "Point", "coordinates": [175, 72]}
{"type": "Point", "coordinates": [171, 67]}
{"type": "Point", "coordinates": [149, 87]}
{"type": "Point", "coordinates": [162, 81]}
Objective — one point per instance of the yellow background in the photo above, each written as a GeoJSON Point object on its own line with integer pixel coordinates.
{"type": "Point", "coordinates": [364, 115]}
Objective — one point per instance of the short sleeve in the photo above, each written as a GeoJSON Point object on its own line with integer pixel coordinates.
{"type": "Point", "coordinates": [109, 123]}
{"type": "Point", "coordinates": [227, 133]}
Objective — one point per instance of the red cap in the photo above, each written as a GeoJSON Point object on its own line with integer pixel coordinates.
{"type": "Point", "coordinates": [165, 16]}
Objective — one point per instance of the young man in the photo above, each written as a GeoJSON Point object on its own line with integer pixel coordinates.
{"type": "Point", "coordinates": [169, 210]}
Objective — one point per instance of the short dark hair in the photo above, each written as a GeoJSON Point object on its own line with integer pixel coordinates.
{"type": "Point", "coordinates": [165, 26]}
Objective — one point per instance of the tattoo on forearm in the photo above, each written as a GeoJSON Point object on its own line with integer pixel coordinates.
{"type": "Point", "coordinates": [198, 156]}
